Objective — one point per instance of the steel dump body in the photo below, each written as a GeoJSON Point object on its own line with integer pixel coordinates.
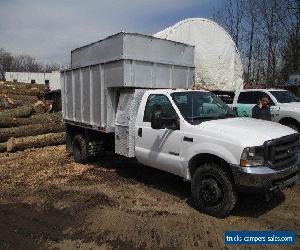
{"type": "Point", "coordinates": [102, 70]}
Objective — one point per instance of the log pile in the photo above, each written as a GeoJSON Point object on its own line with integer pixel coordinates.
{"type": "Point", "coordinates": [30, 89]}
{"type": "Point", "coordinates": [9, 122]}
{"type": "Point", "coordinates": [28, 130]}
{"type": "Point", "coordinates": [21, 112]}
{"type": "Point", "coordinates": [27, 122]}
{"type": "Point", "coordinates": [51, 139]}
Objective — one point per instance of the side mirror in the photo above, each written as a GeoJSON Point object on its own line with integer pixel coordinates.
{"type": "Point", "coordinates": [156, 120]}
{"type": "Point", "coordinates": [174, 124]}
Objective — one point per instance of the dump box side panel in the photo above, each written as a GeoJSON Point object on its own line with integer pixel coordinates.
{"type": "Point", "coordinates": [102, 51]}
{"type": "Point", "coordinates": [113, 73]}
{"type": "Point", "coordinates": [145, 48]}
{"type": "Point", "coordinates": [136, 47]}
{"type": "Point", "coordinates": [68, 95]}
{"type": "Point", "coordinates": [143, 74]}
{"type": "Point", "coordinates": [86, 99]}
{"type": "Point", "coordinates": [97, 96]}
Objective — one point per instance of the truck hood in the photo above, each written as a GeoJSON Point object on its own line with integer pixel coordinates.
{"type": "Point", "coordinates": [249, 131]}
{"type": "Point", "coordinates": [290, 106]}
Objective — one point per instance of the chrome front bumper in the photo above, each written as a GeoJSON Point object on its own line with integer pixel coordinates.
{"type": "Point", "coordinates": [266, 178]}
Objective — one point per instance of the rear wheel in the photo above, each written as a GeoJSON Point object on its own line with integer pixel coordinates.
{"type": "Point", "coordinates": [79, 147]}
{"type": "Point", "coordinates": [213, 191]}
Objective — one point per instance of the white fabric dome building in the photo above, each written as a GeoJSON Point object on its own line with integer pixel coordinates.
{"type": "Point", "coordinates": [218, 64]}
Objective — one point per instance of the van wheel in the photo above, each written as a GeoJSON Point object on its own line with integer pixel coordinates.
{"type": "Point", "coordinates": [213, 191]}
{"type": "Point", "coordinates": [79, 147]}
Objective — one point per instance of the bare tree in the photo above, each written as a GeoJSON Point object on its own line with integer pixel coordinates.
{"type": "Point", "coordinates": [23, 63]}
{"type": "Point", "coordinates": [26, 63]}
{"type": "Point", "coordinates": [250, 29]}
{"type": "Point", "coordinates": [266, 33]}
{"type": "Point", "coordinates": [291, 50]}
{"type": "Point", "coordinates": [52, 67]}
{"type": "Point", "coordinates": [5, 62]}
{"type": "Point", "coordinates": [231, 18]}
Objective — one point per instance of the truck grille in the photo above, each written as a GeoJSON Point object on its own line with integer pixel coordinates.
{"type": "Point", "coordinates": [282, 152]}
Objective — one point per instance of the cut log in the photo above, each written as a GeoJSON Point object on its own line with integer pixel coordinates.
{"type": "Point", "coordinates": [9, 103]}
{"type": "Point", "coordinates": [25, 99]}
{"type": "Point", "coordinates": [21, 112]}
{"type": "Point", "coordinates": [29, 130]}
{"type": "Point", "coordinates": [39, 107]}
{"type": "Point", "coordinates": [8, 122]}
{"type": "Point", "coordinates": [2, 147]}
{"type": "Point", "coordinates": [51, 139]}
{"type": "Point", "coordinates": [47, 116]}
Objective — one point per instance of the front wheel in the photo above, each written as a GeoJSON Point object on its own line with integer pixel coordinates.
{"type": "Point", "coordinates": [213, 190]}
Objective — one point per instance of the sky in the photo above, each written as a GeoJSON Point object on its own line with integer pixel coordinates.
{"type": "Point", "coordinates": [49, 30]}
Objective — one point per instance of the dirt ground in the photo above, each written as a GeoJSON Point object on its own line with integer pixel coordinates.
{"type": "Point", "coordinates": [49, 202]}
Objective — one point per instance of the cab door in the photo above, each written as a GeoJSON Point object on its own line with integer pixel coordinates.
{"type": "Point", "coordinates": [159, 148]}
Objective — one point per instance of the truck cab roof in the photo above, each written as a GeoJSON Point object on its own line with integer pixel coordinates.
{"type": "Point", "coordinates": [170, 91]}
{"type": "Point", "coordinates": [244, 90]}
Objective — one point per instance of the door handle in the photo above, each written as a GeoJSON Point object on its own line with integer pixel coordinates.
{"type": "Point", "coordinates": [140, 132]}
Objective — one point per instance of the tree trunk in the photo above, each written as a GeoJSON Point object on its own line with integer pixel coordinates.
{"type": "Point", "coordinates": [51, 139]}
{"type": "Point", "coordinates": [250, 50]}
{"type": "Point", "coordinates": [29, 130]}
{"type": "Point", "coordinates": [21, 112]}
{"type": "Point", "coordinates": [8, 122]}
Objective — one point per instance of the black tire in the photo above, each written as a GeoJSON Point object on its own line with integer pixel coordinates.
{"type": "Point", "coordinates": [69, 142]}
{"type": "Point", "coordinates": [79, 148]}
{"type": "Point", "coordinates": [213, 191]}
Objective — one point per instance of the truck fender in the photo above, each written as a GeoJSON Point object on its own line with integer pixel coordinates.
{"type": "Point", "coordinates": [212, 149]}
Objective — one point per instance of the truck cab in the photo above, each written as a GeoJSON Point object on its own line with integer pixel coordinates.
{"type": "Point", "coordinates": [284, 105]}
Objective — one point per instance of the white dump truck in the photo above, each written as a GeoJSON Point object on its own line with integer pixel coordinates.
{"type": "Point", "coordinates": [129, 94]}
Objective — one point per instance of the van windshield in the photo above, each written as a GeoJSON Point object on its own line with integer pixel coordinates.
{"type": "Point", "coordinates": [196, 106]}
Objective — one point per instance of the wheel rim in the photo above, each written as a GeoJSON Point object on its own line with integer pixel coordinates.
{"type": "Point", "coordinates": [211, 191]}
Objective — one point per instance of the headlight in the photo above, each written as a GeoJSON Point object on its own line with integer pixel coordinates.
{"type": "Point", "coordinates": [252, 157]}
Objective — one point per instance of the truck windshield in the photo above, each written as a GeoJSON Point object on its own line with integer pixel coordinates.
{"type": "Point", "coordinates": [196, 106]}
{"type": "Point", "coordinates": [285, 96]}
